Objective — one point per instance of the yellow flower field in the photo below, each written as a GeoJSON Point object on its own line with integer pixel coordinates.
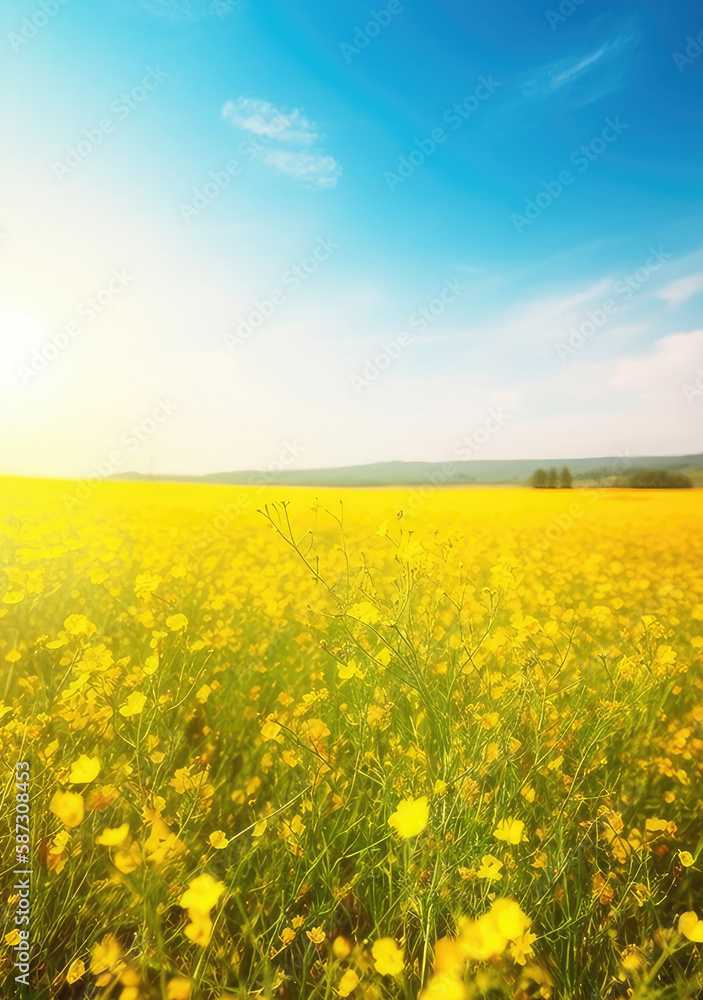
{"type": "Point", "coordinates": [298, 744]}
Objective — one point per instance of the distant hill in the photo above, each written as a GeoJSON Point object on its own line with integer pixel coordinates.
{"type": "Point", "coordinates": [473, 472]}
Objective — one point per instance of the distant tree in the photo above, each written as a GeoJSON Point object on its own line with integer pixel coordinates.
{"type": "Point", "coordinates": [566, 480]}
{"type": "Point", "coordinates": [539, 479]}
{"type": "Point", "coordinates": [656, 479]}
{"type": "Point", "coordinates": [552, 479]}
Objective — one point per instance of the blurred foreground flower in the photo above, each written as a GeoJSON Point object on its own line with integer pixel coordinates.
{"type": "Point", "coordinates": [388, 957]}
{"type": "Point", "coordinates": [411, 817]}
{"type": "Point", "coordinates": [107, 960]}
{"type": "Point", "coordinates": [199, 898]}
{"type": "Point", "coordinates": [68, 806]}
{"type": "Point", "coordinates": [348, 983]}
{"type": "Point", "coordinates": [504, 927]}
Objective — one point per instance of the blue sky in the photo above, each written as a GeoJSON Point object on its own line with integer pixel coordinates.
{"type": "Point", "coordinates": [541, 160]}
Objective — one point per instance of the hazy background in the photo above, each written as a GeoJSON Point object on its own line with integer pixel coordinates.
{"type": "Point", "coordinates": [330, 125]}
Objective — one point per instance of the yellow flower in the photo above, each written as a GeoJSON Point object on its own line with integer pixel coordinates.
{"type": "Point", "coordinates": [686, 858]}
{"type": "Point", "coordinates": [482, 939]}
{"type": "Point", "coordinates": [176, 622]}
{"type": "Point", "coordinates": [130, 982]}
{"type": "Point", "coordinates": [411, 817]}
{"type": "Point", "coordinates": [79, 625]}
{"type": "Point", "coordinates": [106, 960]}
{"type": "Point", "coordinates": [12, 938]}
{"type": "Point", "coordinates": [488, 937]}
{"type": "Point", "coordinates": [218, 840]}
{"type": "Point", "coordinates": [316, 935]}
{"type": "Point", "coordinates": [270, 730]}
{"type": "Point", "coordinates": [13, 597]}
{"type": "Point", "coordinates": [521, 948]}
{"type": "Point", "coordinates": [341, 947]}
{"type": "Point", "coordinates": [287, 936]}
{"type": "Point", "coordinates": [202, 894]}
{"type": "Point", "coordinates": [691, 926]}
{"type": "Point", "coordinates": [68, 806]}
{"type": "Point", "coordinates": [388, 957]}
{"type": "Point", "coordinates": [348, 983]}
{"type": "Point", "coordinates": [127, 859]}
{"type": "Point", "coordinates": [203, 694]}
{"type": "Point", "coordinates": [509, 918]}
{"type": "Point", "coordinates": [146, 584]}
{"type": "Point", "coordinates": [490, 868]}
{"type": "Point", "coordinates": [347, 671]}
{"type": "Point", "coordinates": [84, 770]}
{"type": "Point", "coordinates": [199, 930]}
{"type": "Point", "coordinates": [113, 837]}
{"type": "Point", "coordinates": [444, 987]}
{"type": "Point", "coordinates": [75, 971]}
{"type": "Point", "coordinates": [632, 959]}
{"type": "Point", "coordinates": [199, 898]}
{"type": "Point", "coordinates": [13, 656]}
{"type": "Point", "coordinates": [490, 720]}
{"type": "Point", "coordinates": [510, 830]}
{"type": "Point", "coordinates": [134, 705]}
{"type": "Point", "coordinates": [178, 988]}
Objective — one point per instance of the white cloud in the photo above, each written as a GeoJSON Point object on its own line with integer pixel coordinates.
{"type": "Point", "coordinates": [681, 290]}
{"type": "Point", "coordinates": [285, 140]}
{"type": "Point", "coordinates": [595, 74]}
{"type": "Point", "coordinates": [313, 168]}
{"type": "Point", "coordinates": [663, 371]}
{"type": "Point", "coordinates": [265, 119]}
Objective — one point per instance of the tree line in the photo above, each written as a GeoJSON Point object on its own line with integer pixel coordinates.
{"type": "Point", "coordinates": [552, 480]}
{"type": "Point", "coordinates": [641, 479]}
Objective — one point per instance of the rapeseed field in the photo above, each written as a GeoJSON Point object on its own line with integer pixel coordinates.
{"type": "Point", "coordinates": [297, 744]}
